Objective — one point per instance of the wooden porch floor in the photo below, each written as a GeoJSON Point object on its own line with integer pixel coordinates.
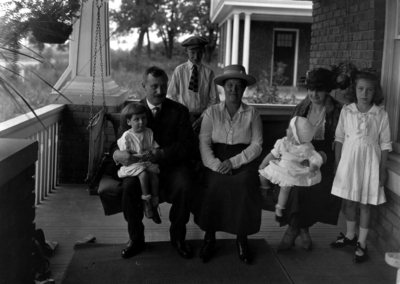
{"type": "Point", "coordinates": [69, 214]}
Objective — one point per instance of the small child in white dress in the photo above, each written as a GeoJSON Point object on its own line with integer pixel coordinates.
{"type": "Point", "coordinates": [284, 165]}
{"type": "Point", "coordinates": [139, 142]}
{"type": "Point", "coordinates": [362, 144]}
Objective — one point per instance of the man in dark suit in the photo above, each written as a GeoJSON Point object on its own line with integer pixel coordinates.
{"type": "Point", "coordinates": [172, 130]}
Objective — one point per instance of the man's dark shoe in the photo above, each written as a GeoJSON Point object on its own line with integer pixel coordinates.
{"type": "Point", "coordinates": [207, 251]}
{"type": "Point", "coordinates": [243, 252]}
{"type": "Point", "coordinates": [182, 248]}
{"type": "Point", "coordinates": [132, 248]}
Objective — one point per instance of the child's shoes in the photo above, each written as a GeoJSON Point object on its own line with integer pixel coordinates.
{"type": "Point", "coordinates": [156, 217]}
{"type": "Point", "coordinates": [278, 210]}
{"type": "Point", "coordinates": [360, 258]}
{"type": "Point", "coordinates": [147, 208]}
{"type": "Point", "coordinates": [264, 191]}
{"type": "Point", "coordinates": [343, 241]}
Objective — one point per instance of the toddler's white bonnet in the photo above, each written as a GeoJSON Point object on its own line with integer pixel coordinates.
{"type": "Point", "coordinates": [302, 128]}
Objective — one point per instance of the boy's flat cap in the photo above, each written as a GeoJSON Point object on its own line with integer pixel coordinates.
{"type": "Point", "coordinates": [194, 41]}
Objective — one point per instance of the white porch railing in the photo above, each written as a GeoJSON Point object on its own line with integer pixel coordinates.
{"type": "Point", "coordinates": [28, 127]}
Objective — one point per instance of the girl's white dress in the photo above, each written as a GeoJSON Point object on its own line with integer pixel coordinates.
{"type": "Point", "coordinates": [364, 136]}
{"type": "Point", "coordinates": [138, 143]}
{"type": "Point", "coordinates": [288, 171]}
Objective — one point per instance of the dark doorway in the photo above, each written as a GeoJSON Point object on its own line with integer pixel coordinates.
{"type": "Point", "coordinates": [284, 57]}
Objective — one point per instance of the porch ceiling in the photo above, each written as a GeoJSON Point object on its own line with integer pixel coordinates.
{"type": "Point", "coordinates": [262, 10]}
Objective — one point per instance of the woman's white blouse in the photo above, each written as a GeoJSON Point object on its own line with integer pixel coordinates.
{"type": "Point", "coordinates": [218, 127]}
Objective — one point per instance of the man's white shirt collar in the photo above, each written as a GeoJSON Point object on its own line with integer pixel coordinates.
{"type": "Point", "coordinates": [153, 106]}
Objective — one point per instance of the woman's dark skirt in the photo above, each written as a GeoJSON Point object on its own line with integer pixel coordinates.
{"type": "Point", "coordinates": [229, 203]}
{"type": "Point", "coordinates": [309, 205]}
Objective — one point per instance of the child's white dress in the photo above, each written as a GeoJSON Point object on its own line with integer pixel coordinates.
{"type": "Point", "coordinates": [364, 136]}
{"type": "Point", "coordinates": [139, 143]}
{"type": "Point", "coordinates": [288, 171]}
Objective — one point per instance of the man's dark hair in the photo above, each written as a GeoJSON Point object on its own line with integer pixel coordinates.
{"type": "Point", "coordinates": [155, 72]}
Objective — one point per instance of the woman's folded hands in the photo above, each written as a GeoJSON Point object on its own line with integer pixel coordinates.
{"type": "Point", "coordinates": [225, 167]}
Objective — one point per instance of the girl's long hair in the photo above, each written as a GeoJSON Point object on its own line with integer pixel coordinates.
{"type": "Point", "coordinates": [369, 75]}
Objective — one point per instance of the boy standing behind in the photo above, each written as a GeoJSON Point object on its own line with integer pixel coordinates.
{"type": "Point", "coordinates": [192, 83]}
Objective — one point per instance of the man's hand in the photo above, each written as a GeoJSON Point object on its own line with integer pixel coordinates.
{"type": "Point", "coordinates": [225, 167]}
{"type": "Point", "coordinates": [197, 124]}
{"type": "Point", "coordinates": [125, 158]}
{"type": "Point", "coordinates": [156, 154]}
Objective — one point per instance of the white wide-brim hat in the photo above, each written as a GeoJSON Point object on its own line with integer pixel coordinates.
{"type": "Point", "coordinates": [234, 72]}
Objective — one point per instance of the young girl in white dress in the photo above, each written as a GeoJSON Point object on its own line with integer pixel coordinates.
{"type": "Point", "coordinates": [362, 144]}
{"type": "Point", "coordinates": [139, 142]}
{"type": "Point", "coordinates": [285, 164]}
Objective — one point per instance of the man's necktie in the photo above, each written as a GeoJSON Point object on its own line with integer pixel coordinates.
{"type": "Point", "coordinates": [155, 111]}
{"type": "Point", "coordinates": [194, 80]}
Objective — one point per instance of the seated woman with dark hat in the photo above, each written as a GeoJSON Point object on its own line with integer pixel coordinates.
{"type": "Point", "coordinates": [230, 141]}
{"type": "Point", "coordinates": [309, 205]}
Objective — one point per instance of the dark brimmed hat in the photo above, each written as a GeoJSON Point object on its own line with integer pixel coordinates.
{"type": "Point", "coordinates": [195, 42]}
{"type": "Point", "coordinates": [234, 72]}
{"type": "Point", "coordinates": [318, 78]}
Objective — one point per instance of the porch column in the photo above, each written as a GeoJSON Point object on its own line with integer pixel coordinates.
{"type": "Point", "coordinates": [246, 42]}
{"type": "Point", "coordinates": [228, 42]}
{"type": "Point", "coordinates": [77, 80]}
{"type": "Point", "coordinates": [235, 43]}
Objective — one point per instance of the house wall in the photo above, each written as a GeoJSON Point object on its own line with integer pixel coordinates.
{"type": "Point", "coordinates": [348, 30]}
{"type": "Point", "coordinates": [261, 45]}
{"type": "Point", "coordinates": [362, 45]}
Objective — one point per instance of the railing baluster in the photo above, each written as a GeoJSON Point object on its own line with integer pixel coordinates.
{"type": "Point", "coordinates": [46, 162]}
{"type": "Point", "coordinates": [56, 154]}
{"type": "Point", "coordinates": [51, 157]}
{"type": "Point", "coordinates": [41, 161]}
{"type": "Point", "coordinates": [37, 173]}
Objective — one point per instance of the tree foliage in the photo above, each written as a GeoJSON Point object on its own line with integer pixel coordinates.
{"type": "Point", "coordinates": [135, 14]}
{"type": "Point", "coordinates": [169, 18]}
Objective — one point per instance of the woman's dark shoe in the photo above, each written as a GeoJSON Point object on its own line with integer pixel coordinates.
{"type": "Point", "coordinates": [342, 241]}
{"type": "Point", "coordinates": [243, 252]}
{"type": "Point", "coordinates": [360, 258]}
{"type": "Point", "coordinates": [306, 241]}
{"type": "Point", "coordinates": [207, 251]}
{"type": "Point", "coordinates": [289, 238]}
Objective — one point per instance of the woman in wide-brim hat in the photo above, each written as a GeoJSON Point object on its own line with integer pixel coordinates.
{"type": "Point", "coordinates": [230, 140]}
{"type": "Point", "coordinates": [307, 206]}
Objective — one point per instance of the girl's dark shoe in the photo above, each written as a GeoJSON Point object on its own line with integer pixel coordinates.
{"type": "Point", "coordinates": [156, 217]}
{"type": "Point", "coordinates": [207, 251]}
{"type": "Point", "coordinates": [360, 258]}
{"type": "Point", "coordinates": [279, 219]}
{"type": "Point", "coordinates": [289, 238]}
{"type": "Point", "coordinates": [148, 209]}
{"type": "Point", "coordinates": [342, 241]}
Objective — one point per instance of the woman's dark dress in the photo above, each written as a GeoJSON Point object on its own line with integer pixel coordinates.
{"type": "Point", "coordinates": [229, 203]}
{"type": "Point", "coordinates": [309, 205]}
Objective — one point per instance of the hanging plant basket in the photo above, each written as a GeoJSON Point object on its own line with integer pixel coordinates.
{"type": "Point", "coordinates": [50, 32]}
